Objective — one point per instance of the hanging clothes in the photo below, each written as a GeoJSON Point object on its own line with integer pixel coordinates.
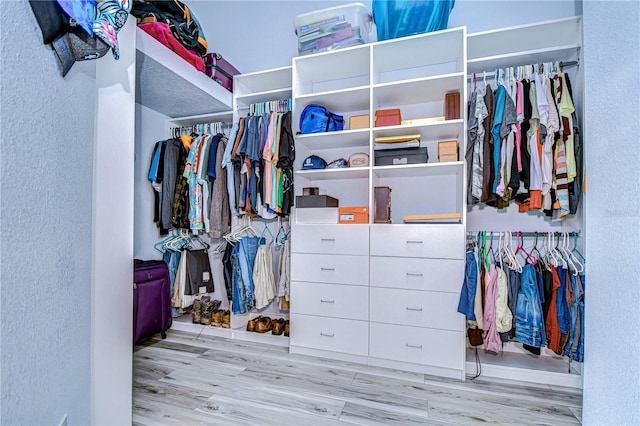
{"type": "Point", "coordinates": [284, 282]}
{"type": "Point", "coordinates": [264, 281]}
{"type": "Point", "coordinates": [532, 153]}
{"type": "Point", "coordinates": [244, 255]}
{"type": "Point", "coordinates": [468, 292]}
{"type": "Point", "coordinates": [528, 310]}
{"type": "Point", "coordinates": [491, 338]}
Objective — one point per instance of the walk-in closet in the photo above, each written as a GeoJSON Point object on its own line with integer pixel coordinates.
{"type": "Point", "coordinates": [387, 295]}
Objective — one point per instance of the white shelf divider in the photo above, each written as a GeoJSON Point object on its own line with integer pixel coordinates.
{"type": "Point", "coordinates": [420, 170]}
{"type": "Point", "coordinates": [358, 138]}
{"type": "Point", "coordinates": [335, 174]}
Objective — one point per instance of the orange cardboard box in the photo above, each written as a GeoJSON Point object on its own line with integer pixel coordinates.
{"type": "Point", "coordinates": [448, 151]}
{"type": "Point", "coordinates": [359, 122]}
{"type": "Point", "coordinates": [353, 214]}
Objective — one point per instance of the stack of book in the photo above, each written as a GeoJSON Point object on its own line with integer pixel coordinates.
{"type": "Point", "coordinates": [396, 142]}
{"type": "Point", "coordinates": [328, 34]}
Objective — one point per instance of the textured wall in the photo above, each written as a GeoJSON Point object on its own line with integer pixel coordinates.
{"type": "Point", "coordinates": [612, 101]}
{"type": "Point", "coordinates": [47, 155]}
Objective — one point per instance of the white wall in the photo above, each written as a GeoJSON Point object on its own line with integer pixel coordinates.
{"type": "Point", "coordinates": [257, 35]}
{"type": "Point", "coordinates": [112, 251]}
{"type": "Point", "coordinates": [46, 172]}
{"type": "Point", "coordinates": [151, 126]}
{"type": "Point", "coordinates": [612, 101]}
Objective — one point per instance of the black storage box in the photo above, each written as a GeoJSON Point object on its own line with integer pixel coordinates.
{"type": "Point", "coordinates": [310, 201]}
{"type": "Point", "coordinates": [393, 157]}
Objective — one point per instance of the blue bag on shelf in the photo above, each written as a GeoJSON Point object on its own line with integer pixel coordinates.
{"type": "Point", "coordinates": [400, 18]}
{"type": "Point", "coordinates": [317, 119]}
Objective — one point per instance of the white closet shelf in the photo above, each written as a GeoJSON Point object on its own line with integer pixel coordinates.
{"type": "Point", "coordinates": [334, 174]}
{"type": "Point", "coordinates": [420, 170]}
{"type": "Point", "coordinates": [331, 140]}
{"type": "Point", "coordinates": [225, 117]}
{"type": "Point", "coordinates": [164, 79]}
{"type": "Point", "coordinates": [442, 130]}
{"type": "Point", "coordinates": [269, 95]}
{"type": "Point", "coordinates": [537, 369]}
{"type": "Point", "coordinates": [330, 66]}
{"type": "Point", "coordinates": [548, 35]}
{"type": "Point", "coordinates": [418, 90]}
{"type": "Point", "coordinates": [353, 99]}
{"type": "Point", "coordinates": [438, 47]}
{"type": "Point", "coordinates": [550, 54]}
{"type": "Point", "coordinates": [262, 81]}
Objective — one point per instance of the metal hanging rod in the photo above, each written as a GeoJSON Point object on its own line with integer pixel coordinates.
{"type": "Point", "coordinates": [562, 64]}
{"type": "Point", "coordinates": [528, 233]}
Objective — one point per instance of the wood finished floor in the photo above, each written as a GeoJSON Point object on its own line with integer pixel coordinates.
{"type": "Point", "coordinates": [191, 380]}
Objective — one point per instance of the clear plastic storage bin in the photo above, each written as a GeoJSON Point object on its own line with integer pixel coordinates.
{"type": "Point", "coordinates": [333, 28]}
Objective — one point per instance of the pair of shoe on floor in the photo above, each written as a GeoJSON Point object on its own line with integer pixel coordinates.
{"type": "Point", "coordinates": [221, 318]}
{"type": "Point", "coordinates": [264, 324]}
{"type": "Point", "coordinates": [205, 311]}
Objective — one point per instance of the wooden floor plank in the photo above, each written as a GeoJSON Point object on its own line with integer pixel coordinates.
{"type": "Point", "coordinates": [191, 379]}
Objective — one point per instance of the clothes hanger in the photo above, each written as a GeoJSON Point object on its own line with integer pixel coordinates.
{"type": "Point", "coordinates": [521, 249]}
{"type": "Point", "coordinates": [513, 261]}
{"type": "Point", "coordinates": [567, 254]}
{"type": "Point", "coordinates": [559, 253]}
{"type": "Point", "coordinates": [267, 231]}
{"type": "Point", "coordinates": [575, 247]}
{"type": "Point", "coordinates": [539, 255]}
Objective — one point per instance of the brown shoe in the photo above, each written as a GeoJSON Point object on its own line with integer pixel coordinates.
{"type": "Point", "coordinates": [216, 318]}
{"type": "Point", "coordinates": [278, 326]}
{"type": "Point", "coordinates": [263, 325]}
{"type": "Point", "coordinates": [196, 311]}
{"type": "Point", "coordinates": [251, 324]}
{"type": "Point", "coordinates": [208, 309]}
{"type": "Point", "coordinates": [286, 328]}
{"type": "Point", "coordinates": [226, 319]}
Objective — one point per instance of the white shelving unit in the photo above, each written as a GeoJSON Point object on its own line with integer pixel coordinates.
{"type": "Point", "coordinates": [389, 74]}
{"type": "Point", "coordinates": [550, 41]}
{"type": "Point", "coordinates": [559, 39]}
{"type": "Point", "coordinates": [261, 86]}
{"type": "Point", "coordinates": [413, 74]}
{"type": "Point", "coordinates": [251, 88]}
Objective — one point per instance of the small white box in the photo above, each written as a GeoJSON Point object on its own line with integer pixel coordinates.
{"type": "Point", "coordinates": [333, 28]}
{"type": "Point", "coordinates": [317, 215]}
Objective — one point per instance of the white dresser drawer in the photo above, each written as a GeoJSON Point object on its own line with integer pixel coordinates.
{"type": "Point", "coordinates": [416, 308]}
{"type": "Point", "coordinates": [416, 273]}
{"type": "Point", "coordinates": [330, 334]}
{"type": "Point", "coordinates": [329, 268]}
{"type": "Point", "coordinates": [330, 300]}
{"type": "Point", "coordinates": [330, 239]}
{"type": "Point", "coordinates": [434, 241]}
{"type": "Point", "coordinates": [438, 348]}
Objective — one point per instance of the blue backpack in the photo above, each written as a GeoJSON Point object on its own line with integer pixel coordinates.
{"type": "Point", "coordinates": [317, 119]}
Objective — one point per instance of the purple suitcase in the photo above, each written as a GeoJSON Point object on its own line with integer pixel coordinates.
{"type": "Point", "coordinates": [151, 300]}
{"type": "Point", "coordinates": [216, 67]}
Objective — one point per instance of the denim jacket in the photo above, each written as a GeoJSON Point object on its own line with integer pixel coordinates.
{"type": "Point", "coordinates": [529, 310]}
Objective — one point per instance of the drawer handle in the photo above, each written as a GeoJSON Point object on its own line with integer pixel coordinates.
{"type": "Point", "coordinates": [409, 308]}
{"type": "Point", "coordinates": [326, 334]}
{"type": "Point", "coordinates": [413, 274]}
{"type": "Point", "coordinates": [327, 301]}
{"type": "Point", "coordinates": [414, 242]}
{"type": "Point", "coordinates": [327, 269]}
{"type": "Point", "coordinates": [414, 346]}
{"type": "Point", "coordinates": [327, 239]}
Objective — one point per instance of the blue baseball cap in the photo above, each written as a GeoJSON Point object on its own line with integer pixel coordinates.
{"type": "Point", "coordinates": [313, 162]}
